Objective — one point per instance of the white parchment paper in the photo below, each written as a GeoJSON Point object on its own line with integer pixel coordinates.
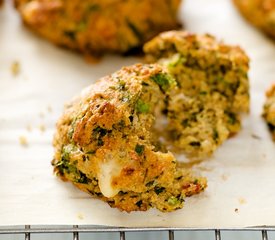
{"type": "Point", "coordinates": [241, 175]}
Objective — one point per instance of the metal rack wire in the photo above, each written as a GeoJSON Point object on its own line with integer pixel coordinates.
{"type": "Point", "coordinates": [29, 230]}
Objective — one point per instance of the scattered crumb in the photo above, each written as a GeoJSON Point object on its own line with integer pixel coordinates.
{"type": "Point", "coordinates": [80, 216]}
{"type": "Point", "coordinates": [236, 210]}
{"type": "Point", "coordinates": [242, 201]}
{"type": "Point", "coordinates": [255, 136]}
{"type": "Point", "coordinates": [29, 127]}
{"type": "Point", "coordinates": [15, 68]}
{"type": "Point", "coordinates": [224, 177]}
{"type": "Point", "coordinates": [42, 115]}
{"type": "Point", "coordinates": [92, 59]}
{"type": "Point", "coordinates": [50, 109]}
{"type": "Point", "coordinates": [42, 127]}
{"type": "Point", "coordinates": [23, 141]}
{"type": "Point", "coordinates": [264, 155]}
{"type": "Point", "coordinates": [205, 169]}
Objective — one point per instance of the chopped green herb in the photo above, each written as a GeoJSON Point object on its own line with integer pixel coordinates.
{"type": "Point", "coordinates": [139, 203]}
{"type": "Point", "coordinates": [173, 201]}
{"type": "Point", "coordinates": [139, 149]}
{"type": "Point", "coordinates": [149, 184]}
{"type": "Point", "coordinates": [215, 134]}
{"type": "Point", "coordinates": [165, 81]}
{"type": "Point", "coordinates": [67, 150]}
{"type": "Point", "coordinates": [82, 178]}
{"type": "Point", "coordinates": [144, 84]}
{"type": "Point", "coordinates": [91, 152]}
{"type": "Point", "coordinates": [203, 92]}
{"type": "Point", "coordinates": [142, 107]}
{"type": "Point", "coordinates": [100, 142]}
{"type": "Point", "coordinates": [81, 26]}
{"type": "Point", "coordinates": [135, 30]}
{"type": "Point", "coordinates": [70, 34]}
{"type": "Point", "coordinates": [159, 190]}
{"type": "Point", "coordinates": [231, 118]}
{"type": "Point", "coordinates": [175, 60]}
{"type": "Point", "coordinates": [184, 122]}
{"type": "Point", "coordinates": [195, 144]}
{"type": "Point", "coordinates": [93, 7]}
{"type": "Point", "coordinates": [121, 85]}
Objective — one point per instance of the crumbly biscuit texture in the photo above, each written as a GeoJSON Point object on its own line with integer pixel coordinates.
{"type": "Point", "coordinates": [261, 13]}
{"type": "Point", "coordinates": [98, 26]}
{"type": "Point", "coordinates": [105, 143]}
{"type": "Point", "coordinates": [213, 89]}
{"type": "Point", "coordinates": [269, 110]}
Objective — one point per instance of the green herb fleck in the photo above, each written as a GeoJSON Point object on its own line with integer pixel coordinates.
{"type": "Point", "coordinates": [149, 184]}
{"type": "Point", "coordinates": [93, 7]}
{"type": "Point", "coordinates": [184, 122]}
{"type": "Point", "coordinates": [215, 134]}
{"type": "Point", "coordinates": [139, 203]}
{"type": "Point", "coordinates": [135, 30]}
{"type": "Point", "coordinates": [173, 201]}
{"type": "Point", "coordinates": [165, 81]}
{"type": "Point", "coordinates": [139, 149]}
{"type": "Point", "coordinates": [231, 118]}
{"type": "Point", "coordinates": [159, 190]}
{"type": "Point", "coordinates": [195, 144]}
{"type": "Point", "coordinates": [70, 34]}
{"type": "Point", "coordinates": [142, 107]}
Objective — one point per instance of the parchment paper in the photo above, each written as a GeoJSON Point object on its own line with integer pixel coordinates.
{"type": "Point", "coordinates": [241, 175]}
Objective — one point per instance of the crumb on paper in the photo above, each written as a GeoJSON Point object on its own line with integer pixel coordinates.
{"type": "Point", "coordinates": [80, 216]}
{"type": "Point", "coordinates": [205, 169]}
{"type": "Point", "coordinates": [224, 177]}
{"type": "Point", "coordinates": [41, 115]}
{"type": "Point", "coordinates": [242, 201]}
{"type": "Point", "coordinates": [236, 210]}
{"type": "Point", "coordinates": [92, 59]}
{"type": "Point", "coordinates": [264, 155]}
{"type": "Point", "coordinates": [23, 141]}
{"type": "Point", "coordinates": [49, 109]}
{"type": "Point", "coordinates": [42, 127]}
{"type": "Point", "coordinates": [15, 68]}
{"type": "Point", "coordinates": [255, 136]}
{"type": "Point", "coordinates": [29, 127]}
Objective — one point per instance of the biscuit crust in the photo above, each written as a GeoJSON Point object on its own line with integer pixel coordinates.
{"type": "Point", "coordinates": [105, 143]}
{"type": "Point", "coordinates": [269, 110]}
{"type": "Point", "coordinates": [260, 13]}
{"type": "Point", "coordinates": [98, 26]}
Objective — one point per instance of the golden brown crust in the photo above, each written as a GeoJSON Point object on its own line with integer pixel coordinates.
{"type": "Point", "coordinates": [104, 143]}
{"type": "Point", "coordinates": [94, 26]}
{"type": "Point", "coordinates": [261, 13]}
{"type": "Point", "coordinates": [269, 110]}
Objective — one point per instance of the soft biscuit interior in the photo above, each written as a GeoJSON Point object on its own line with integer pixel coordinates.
{"type": "Point", "coordinates": [213, 89]}
{"type": "Point", "coordinates": [106, 143]}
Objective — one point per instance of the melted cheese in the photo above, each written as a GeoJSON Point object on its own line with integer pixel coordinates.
{"type": "Point", "coordinates": [108, 170]}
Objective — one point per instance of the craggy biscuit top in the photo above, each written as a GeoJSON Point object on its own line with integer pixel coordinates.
{"type": "Point", "coordinates": [269, 110]}
{"type": "Point", "coordinates": [105, 143]}
{"type": "Point", "coordinates": [99, 26]}
{"type": "Point", "coordinates": [213, 89]}
{"type": "Point", "coordinates": [260, 13]}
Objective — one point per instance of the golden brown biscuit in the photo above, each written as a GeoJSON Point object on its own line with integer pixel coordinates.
{"type": "Point", "coordinates": [261, 13]}
{"type": "Point", "coordinates": [105, 143]}
{"type": "Point", "coordinates": [99, 26]}
{"type": "Point", "coordinates": [269, 110]}
{"type": "Point", "coordinates": [213, 89]}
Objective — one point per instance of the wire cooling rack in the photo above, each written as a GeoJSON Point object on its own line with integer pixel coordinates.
{"type": "Point", "coordinates": [75, 230]}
